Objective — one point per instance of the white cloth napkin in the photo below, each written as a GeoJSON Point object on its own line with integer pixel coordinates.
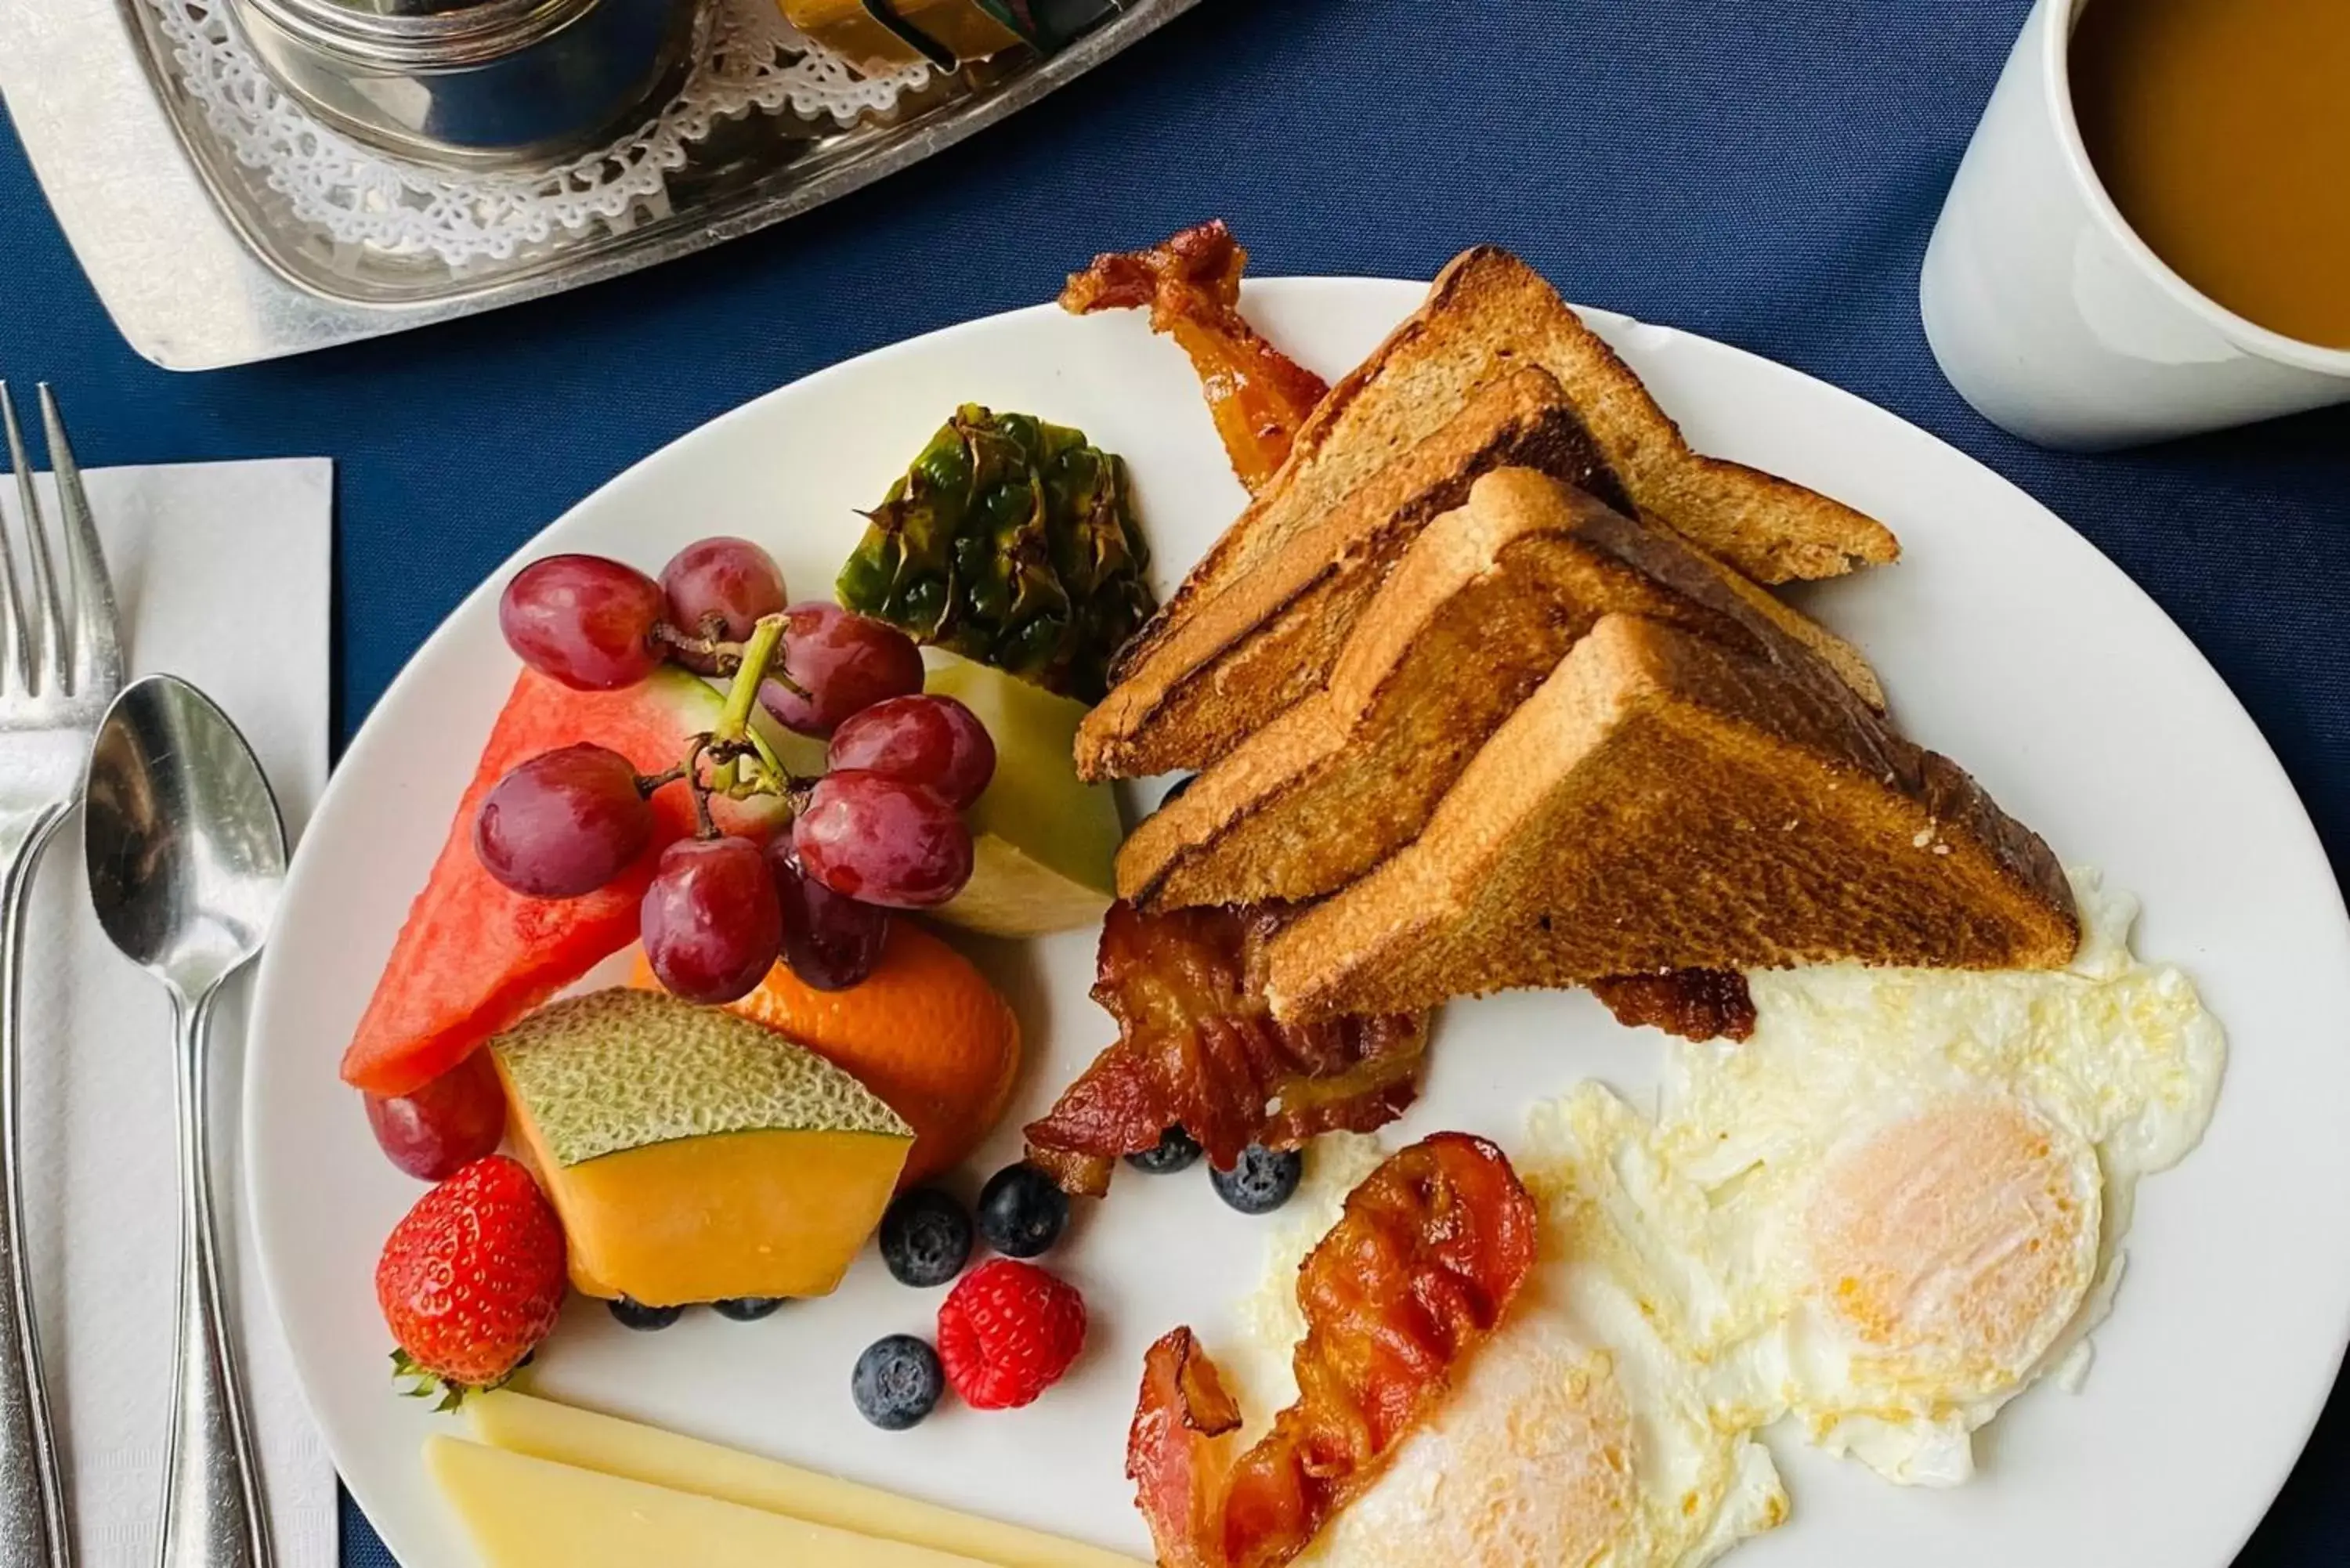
{"type": "Point", "coordinates": [222, 574]}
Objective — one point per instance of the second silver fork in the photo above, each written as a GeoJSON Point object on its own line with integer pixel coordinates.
{"type": "Point", "coordinates": [60, 665]}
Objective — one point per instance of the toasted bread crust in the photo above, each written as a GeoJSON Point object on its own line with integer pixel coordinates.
{"type": "Point", "coordinates": [1769, 529]}
{"type": "Point", "coordinates": [1664, 801]}
{"type": "Point", "coordinates": [1323, 469]}
{"type": "Point", "coordinates": [1480, 608]}
{"type": "Point", "coordinates": [1487, 313]}
{"type": "Point", "coordinates": [1492, 369]}
{"type": "Point", "coordinates": [1833, 650]}
{"type": "Point", "coordinates": [1272, 637]}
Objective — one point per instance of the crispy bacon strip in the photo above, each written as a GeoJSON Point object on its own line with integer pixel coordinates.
{"type": "Point", "coordinates": [1173, 1451]}
{"type": "Point", "coordinates": [1694, 1004]}
{"type": "Point", "coordinates": [1198, 1049]}
{"type": "Point", "coordinates": [1419, 1270]}
{"type": "Point", "coordinates": [1258, 396]}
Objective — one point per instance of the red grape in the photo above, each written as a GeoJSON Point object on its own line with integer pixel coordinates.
{"type": "Point", "coordinates": [564, 824]}
{"type": "Point", "coordinates": [449, 1123]}
{"type": "Point", "coordinates": [584, 620]}
{"type": "Point", "coordinates": [732, 580]}
{"type": "Point", "coordinates": [846, 662]}
{"type": "Point", "coordinates": [882, 840]}
{"type": "Point", "coordinates": [934, 741]}
{"type": "Point", "coordinates": [831, 942]}
{"type": "Point", "coordinates": [711, 922]}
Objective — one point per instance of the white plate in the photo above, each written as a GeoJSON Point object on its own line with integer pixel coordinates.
{"type": "Point", "coordinates": [2006, 640]}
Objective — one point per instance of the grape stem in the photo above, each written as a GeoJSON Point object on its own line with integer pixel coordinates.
{"type": "Point", "coordinates": [647, 785]}
{"type": "Point", "coordinates": [766, 640]}
{"type": "Point", "coordinates": [731, 740]}
{"type": "Point", "coordinates": [705, 826]}
{"type": "Point", "coordinates": [774, 763]}
{"type": "Point", "coordinates": [726, 657]}
{"type": "Point", "coordinates": [733, 743]}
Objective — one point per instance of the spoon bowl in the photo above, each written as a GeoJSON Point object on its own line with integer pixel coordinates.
{"type": "Point", "coordinates": [186, 856]}
{"type": "Point", "coordinates": [185, 849]}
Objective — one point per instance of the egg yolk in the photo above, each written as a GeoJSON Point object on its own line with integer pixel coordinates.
{"type": "Point", "coordinates": [1958, 1242]}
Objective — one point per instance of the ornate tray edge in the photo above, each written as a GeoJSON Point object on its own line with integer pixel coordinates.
{"type": "Point", "coordinates": [186, 290]}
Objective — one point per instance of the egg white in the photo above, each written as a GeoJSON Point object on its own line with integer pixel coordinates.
{"type": "Point", "coordinates": [1896, 1206]}
{"type": "Point", "coordinates": [1899, 1203]}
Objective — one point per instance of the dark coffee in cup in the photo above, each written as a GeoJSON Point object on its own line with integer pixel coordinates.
{"type": "Point", "coordinates": [2222, 130]}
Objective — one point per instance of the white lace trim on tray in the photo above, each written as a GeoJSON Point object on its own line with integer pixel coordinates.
{"type": "Point", "coordinates": [753, 60]}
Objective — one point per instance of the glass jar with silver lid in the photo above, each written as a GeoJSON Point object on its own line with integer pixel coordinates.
{"type": "Point", "coordinates": [476, 83]}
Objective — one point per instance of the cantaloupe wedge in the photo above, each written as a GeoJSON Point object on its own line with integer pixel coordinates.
{"type": "Point", "coordinates": [523, 1512]}
{"type": "Point", "coordinates": [583, 1439]}
{"type": "Point", "coordinates": [693, 1155]}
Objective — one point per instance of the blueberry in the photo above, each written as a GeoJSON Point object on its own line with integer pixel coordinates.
{"type": "Point", "coordinates": [925, 1238]}
{"type": "Point", "coordinates": [1261, 1181]}
{"type": "Point", "coordinates": [1021, 1212]}
{"type": "Point", "coordinates": [1176, 1151]}
{"type": "Point", "coordinates": [897, 1381]}
{"type": "Point", "coordinates": [746, 1309]}
{"type": "Point", "coordinates": [644, 1319]}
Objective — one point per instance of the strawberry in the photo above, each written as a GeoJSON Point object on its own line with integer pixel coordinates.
{"type": "Point", "coordinates": [1007, 1333]}
{"type": "Point", "coordinates": [471, 1278]}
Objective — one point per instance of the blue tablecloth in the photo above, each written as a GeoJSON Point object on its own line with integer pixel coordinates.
{"type": "Point", "coordinates": [1765, 174]}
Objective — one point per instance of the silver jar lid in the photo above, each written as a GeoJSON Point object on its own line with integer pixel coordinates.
{"type": "Point", "coordinates": [421, 35]}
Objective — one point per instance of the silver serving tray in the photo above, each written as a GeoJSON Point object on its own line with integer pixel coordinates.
{"type": "Point", "coordinates": [200, 268]}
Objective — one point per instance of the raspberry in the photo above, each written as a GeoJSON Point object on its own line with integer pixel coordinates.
{"type": "Point", "coordinates": [1007, 1333]}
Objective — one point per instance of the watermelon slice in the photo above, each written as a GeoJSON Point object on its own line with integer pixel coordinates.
{"type": "Point", "coordinates": [475, 956]}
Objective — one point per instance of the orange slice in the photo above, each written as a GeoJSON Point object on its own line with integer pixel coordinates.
{"type": "Point", "coordinates": [925, 1030]}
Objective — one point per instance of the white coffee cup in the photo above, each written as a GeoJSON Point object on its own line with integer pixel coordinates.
{"type": "Point", "coordinates": [2055, 320]}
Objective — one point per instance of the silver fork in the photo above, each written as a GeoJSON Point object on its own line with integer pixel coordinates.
{"type": "Point", "coordinates": [58, 673]}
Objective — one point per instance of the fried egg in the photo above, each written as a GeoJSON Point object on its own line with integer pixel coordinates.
{"type": "Point", "coordinates": [1576, 1437]}
{"type": "Point", "coordinates": [1900, 1202]}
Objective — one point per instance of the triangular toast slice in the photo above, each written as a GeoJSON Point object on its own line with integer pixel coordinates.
{"type": "Point", "coordinates": [1666, 802]}
{"type": "Point", "coordinates": [1493, 370]}
{"type": "Point", "coordinates": [1487, 314]}
{"type": "Point", "coordinates": [1479, 611]}
{"type": "Point", "coordinates": [1273, 636]}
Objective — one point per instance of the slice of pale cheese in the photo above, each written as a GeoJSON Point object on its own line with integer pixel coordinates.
{"type": "Point", "coordinates": [570, 1436]}
{"type": "Point", "coordinates": [525, 1513]}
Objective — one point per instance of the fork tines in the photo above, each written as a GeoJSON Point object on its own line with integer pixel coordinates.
{"type": "Point", "coordinates": [47, 649]}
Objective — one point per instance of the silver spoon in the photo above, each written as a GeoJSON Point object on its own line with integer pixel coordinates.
{"type": "Point", "coordinates": [186, 859]}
